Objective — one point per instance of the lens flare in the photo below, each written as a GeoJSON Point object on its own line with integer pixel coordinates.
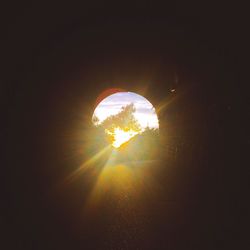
{"type": "Point", "coordinates": [120, 136]}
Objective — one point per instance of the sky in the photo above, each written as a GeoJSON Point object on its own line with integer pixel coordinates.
{"type": "Point", "coordinates": [111, 105]}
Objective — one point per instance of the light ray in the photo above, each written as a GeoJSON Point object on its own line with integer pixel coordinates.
{"type": "Point", "coordinates": [87, 164]}
{"type": "Point", "coordinates": [165, 104]}
{"type": "Point", "coordinates": [121, 181]}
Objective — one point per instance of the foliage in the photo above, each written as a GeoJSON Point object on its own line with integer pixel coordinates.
{"type": "Point", "coordinates": [143, 146]}
{"type": "Point", "coordinates": [124, 120]}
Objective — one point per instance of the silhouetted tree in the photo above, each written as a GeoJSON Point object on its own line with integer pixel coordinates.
{"type": "Point", "coordinates": [125, 120]}
{"type": "Point", "coordinates": [143, 146]}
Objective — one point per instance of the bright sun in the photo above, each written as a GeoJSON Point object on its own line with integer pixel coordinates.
{"type": "Point", "coordinates": [120, 136]}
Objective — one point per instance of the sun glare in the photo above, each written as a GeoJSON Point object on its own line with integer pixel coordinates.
{"type": "Point", "coordinates": [123, 115]}
{"type": "Point", "coordinates": [120, 136]}
{"type": "Point", "coordinates": [125, 133]}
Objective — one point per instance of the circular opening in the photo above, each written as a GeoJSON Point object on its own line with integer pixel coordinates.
{"type": "Point", "coordinates": [126, 118]}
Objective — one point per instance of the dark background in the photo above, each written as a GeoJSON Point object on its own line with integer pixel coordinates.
{"type": "Point", "coordinates": [57, 58]}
